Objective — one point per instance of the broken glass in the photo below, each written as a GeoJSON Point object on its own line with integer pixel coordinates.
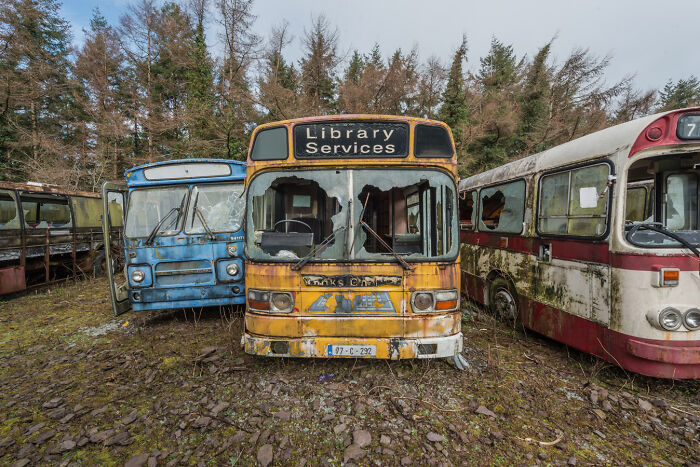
{"type": "Point", "coordinates": [293, 211]}
{"type": "Point", "coordinates": [502, 207]}
{"type": "Point", "coordinates": [221, 205]}
{"type": "Point", "coordinates": [147, 207]}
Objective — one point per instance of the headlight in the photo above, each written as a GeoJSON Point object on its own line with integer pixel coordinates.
{"type": "Point", "coordinates": [692, 319]}
{"type": "Point", "coordinates": [282, 302]}
{"type": "Point", "coordinates": [138, 275]}
{"type": "Point", "coordinates": [231, 249]}
{"type": "Point", "coordinates": [232, 269]}
{"type": "Point", "coordinates": [670, 319]}
{"type": "Point", "coordinates": [422, 301]}
{"type": "Point", "coordinates": [259, 300]}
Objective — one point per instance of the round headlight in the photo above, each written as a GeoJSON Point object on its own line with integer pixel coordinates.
{"type": "Point", "coordinates": [282, 301]}
{"type": "Point", "coordinates": [670, 319]}
{"type": "Point", "coordinates": [692, 319]}
{"type": "Point", "coordinates": [232, 269]}
{"type": "Point", "coordinates": [231, 249]}
{"type": "Point", "coordinates": [422, 301]}
{"type": "Point", "coordinates": [137, 275]}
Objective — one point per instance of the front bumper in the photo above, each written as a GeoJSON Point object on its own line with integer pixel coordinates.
{"type": "Point", "coordinates": [389, 348]}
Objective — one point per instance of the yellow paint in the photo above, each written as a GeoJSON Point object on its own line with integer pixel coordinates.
{"type": "Point", "coordinates": [318, 319]}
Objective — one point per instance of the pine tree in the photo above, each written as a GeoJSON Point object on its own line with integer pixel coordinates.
{"type": "Point", "coordinates": [318, 67]}
{"type": "Point", "coordinates": [499, 69]}
{"type": "Point", "coordinates": [454, 109]}
{"type": "Point", "coordinates": [533, 102]}
{"type": "Point", "coordinates": [683, 93]}
{"type": "Point", "coordinates": [35, 91]}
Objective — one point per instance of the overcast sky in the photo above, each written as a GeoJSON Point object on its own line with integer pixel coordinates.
{"type": "Point", "coordinates": [654, 40]}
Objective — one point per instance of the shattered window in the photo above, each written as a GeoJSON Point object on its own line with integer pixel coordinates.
{"type": "Point", "coordinates": [148, 207]}
{"type": "Point", "coordinates": [9, 215]}
{"type": "Point", "coordinates": [502, 207]}
{"type": "Point", "coordinates": [467, 211]}
{"type": "Point", "coordinates": [395, 212]}
{"type": "Point", "coordinates": [574, 202]}
{"type": "Point", "coordinates": [221, 206]}
{"type": "Point", "coordinates": [635, 204]}
{"type": "Point", "coordinates": [42, 211]}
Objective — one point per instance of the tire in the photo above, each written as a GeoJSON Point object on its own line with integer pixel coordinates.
{"type": "Point", "coordinates": [503, 300]}
{"type": "Point", "coordinates": [99, 263]}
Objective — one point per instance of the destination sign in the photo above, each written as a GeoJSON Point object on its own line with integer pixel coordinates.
{"type": "Point", "coordinates": [351, 139]}
{"type": "Point", "coordinates": [689, 126]}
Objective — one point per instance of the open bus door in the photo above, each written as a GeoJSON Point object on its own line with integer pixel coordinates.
{"type": "Point", "coordinates": [114, 203]}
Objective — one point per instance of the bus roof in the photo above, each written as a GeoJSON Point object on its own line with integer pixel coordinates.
{"type": "Point", "coordinates": [595, 145]}
{"type": "Point", "coordinates": [138, 176]}
{"type": "Point", "coordinates": [40, 188]}
{"type": "Point", "coordinates": [347, 117]}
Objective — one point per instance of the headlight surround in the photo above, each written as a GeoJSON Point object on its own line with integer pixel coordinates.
{"type": "Point", "coordinates": [281, 302]}
{"type": "Point", "coordinates": [138, 275]}
{"type": "Point", "coordinates": [422, 301]}
{"type": "Point", "coordinates": [231, 249]}
{"type": "Point", "coordinates": [691, 319]}
{"type": "Point", "coordinates": [670, 319]}
{"type": "Point", "coordinates": [232, 269]}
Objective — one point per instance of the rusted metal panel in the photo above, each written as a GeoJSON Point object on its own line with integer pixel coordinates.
{"type": "Point", "coordinates": [12, 279]}
{"type": "Point", "coordinates": [53, 189]}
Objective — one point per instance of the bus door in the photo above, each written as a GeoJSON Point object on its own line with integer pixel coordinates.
{"type": "Point", "coordinates": [573, 268]}
{"type": "Point", "coordinates": [11, 245]}
{"type": "Point", "coordinates": [114, 200]}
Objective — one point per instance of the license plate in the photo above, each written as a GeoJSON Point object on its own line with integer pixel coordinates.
{"type": "Point", "coordinates": [352, 350]}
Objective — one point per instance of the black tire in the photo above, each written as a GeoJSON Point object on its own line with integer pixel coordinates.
{"type": "Point", "coordinates": [99, 263]}
{"type": "Point", "coordinates": [503, 300]}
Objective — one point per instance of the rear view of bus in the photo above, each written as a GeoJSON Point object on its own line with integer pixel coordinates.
{"type": "Point", "coordinates": [351, 239]}
{"type": "Point", "coordinates": [183, 235]}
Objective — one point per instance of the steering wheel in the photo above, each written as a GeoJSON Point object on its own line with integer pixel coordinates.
{"type": "Point", "coordinates": [285, 221]}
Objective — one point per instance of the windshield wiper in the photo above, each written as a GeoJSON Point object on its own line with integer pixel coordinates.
{"type": "Point", "coordinates": [386, 245]}
{"type": "Point", "coordinates": [659, 227]}
{"type": "Point", "coordinates": [160, 223]}
{"type": "Point", "coordinates": [322, 246]}
{"type": "Point", "coordinates": [196, 210]}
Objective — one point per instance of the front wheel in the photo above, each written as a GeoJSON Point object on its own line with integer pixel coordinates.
{"type": "Point", "coordinates": [503, 300]}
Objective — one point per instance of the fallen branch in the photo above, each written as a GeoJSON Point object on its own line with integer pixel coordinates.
{"type": "Point", "coordinates": [543, 443]}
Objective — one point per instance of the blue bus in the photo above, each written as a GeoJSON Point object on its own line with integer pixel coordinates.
{"type": "Point", "coordinates": [183, 235]}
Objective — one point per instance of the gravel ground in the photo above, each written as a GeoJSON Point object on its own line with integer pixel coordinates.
{"type": "Point", "coordinates": [78, 386]}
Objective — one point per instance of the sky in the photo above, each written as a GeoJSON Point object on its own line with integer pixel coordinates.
{"type": "Point", "coordinates": [653, 40]}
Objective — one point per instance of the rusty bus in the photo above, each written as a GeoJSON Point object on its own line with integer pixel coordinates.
{"type": "Point", "coordinates": [351, 239]}
{"type": "Point", "coordinates": [595, 243]}
{"type": "Point", "coordinates": [48, 234]}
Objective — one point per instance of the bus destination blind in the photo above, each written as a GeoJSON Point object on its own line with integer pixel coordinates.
{"type": "Point", "coordinates": [339, 140]}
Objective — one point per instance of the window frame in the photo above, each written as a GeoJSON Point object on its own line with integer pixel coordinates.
{"type": "Point", "coordinates": [608, 212]}
{"type": "Point", "coordinates": [18, 210]}
{"type": "Point", "coordinates": [475, 208]}
{"type": "Point", "coordinates": [62, 196]}
{"type": "Point", "coordinates": [415, 138]}
{"type": "Point", "coordinates": [478, 202]}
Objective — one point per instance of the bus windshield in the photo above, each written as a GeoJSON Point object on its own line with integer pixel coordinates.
{"type": "Point", "coordinates": [221, 207]}
{"type": "Point", "coordinates": [672, 221]}
{"type": "Point", "coordinates": [148, 207]}
{"type": "Point", "coordinates": [363, 214]}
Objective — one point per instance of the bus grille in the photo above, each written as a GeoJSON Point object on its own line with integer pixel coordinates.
{"type": "Point", "coordinates": [184, 272]}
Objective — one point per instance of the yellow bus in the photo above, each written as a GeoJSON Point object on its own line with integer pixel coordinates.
{"type": "Point", "coordinates": [351, 239]}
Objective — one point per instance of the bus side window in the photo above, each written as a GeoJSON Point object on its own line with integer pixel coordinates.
{"type": "Point", "coordinates": [502, 207]}
{"type": "Point", "coordinates": [87, 211]}
{"type": "Point", "coordinates": [46, 211]}
{"type": "Point", "coordinates": [9, 215]}
{"type": "Point", "coordinates": [467, 211]}
{"type": "Point", "coordinates": [570, 202]}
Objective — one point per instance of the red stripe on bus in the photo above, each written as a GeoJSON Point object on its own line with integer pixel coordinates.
{"type": "Point", "coordinates": [578, 250]}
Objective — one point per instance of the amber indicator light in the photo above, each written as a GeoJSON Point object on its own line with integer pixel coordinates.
{"type": "Point", "coordinates": [670, 276]}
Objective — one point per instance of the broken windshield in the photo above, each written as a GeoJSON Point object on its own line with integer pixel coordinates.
{"type": "Point", "coordinates": [147, 207]}
{"type": "Point", "coordinates": [221, 206]}
{"type": "Point", "coordinates": [411, 213]}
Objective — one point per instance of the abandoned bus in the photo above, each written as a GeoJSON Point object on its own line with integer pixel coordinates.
{"type": "Point", "coordinates": [351, 239]}
{"type": "Point", "coordinates": [48, 234]}
{"type": "Point", "coordinates": [182, 235]}
{"type": "Point", "coordinates": [596, 243]}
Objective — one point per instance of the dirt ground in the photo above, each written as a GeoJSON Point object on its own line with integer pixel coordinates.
{"type": "Point", "coordinates": [78, 386]}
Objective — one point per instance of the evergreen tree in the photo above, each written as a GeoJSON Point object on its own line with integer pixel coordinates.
{"type": "Point", "coordinates": [454, 109]}
{"type": "Point", "coordinates": [318, 67]}
{"type": "Point", "coordinates": [354, 70]}
{"type": "Point", "coordinates": [499, 69]}
{"type": "Point", "coordinates": [533, 102]}
{"type": "Point", "coordinates": [683, 93]}
{"type": "Point", "coordinates": [35, 91]}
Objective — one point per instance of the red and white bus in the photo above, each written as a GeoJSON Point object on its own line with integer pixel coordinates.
{"type": "Point", "coordinates": [596, 243]}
